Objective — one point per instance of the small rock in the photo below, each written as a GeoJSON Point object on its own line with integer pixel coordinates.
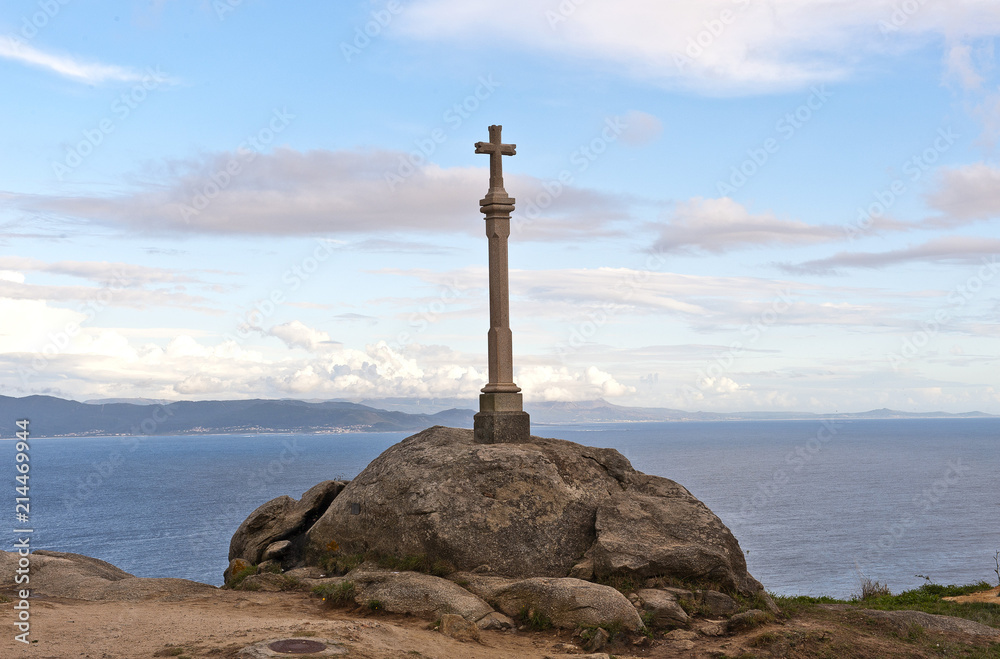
{"type": "Point", "coordinates": [236, 565]}
{"type": "Point", "coordinates": [459, 628]}
{"type": "Point", "coordinates": [718, 604]}
{"type": "Point", "coordinates": [276, 550]}
{"type": "Point", "coordinates": [270, 566]}
{"type": "Point", "coordinates": [712, 629]}
{"type": "Point", "coordinates": [682, 645]}
{"type": "Point", "coordinates": [747, 620]}
{"type": "Point", "coordinates": [680, 635]}
{"type": "Point", "coordinates": [582, 570]}
{"type": "Point", "coordinates": [598, 640]}
{"type": "Point", "coordinates": [665, 609]}
{"type": "Point", "coordinates": [566, 648]}
{"type": "Point", "coordinates": [495, 620]}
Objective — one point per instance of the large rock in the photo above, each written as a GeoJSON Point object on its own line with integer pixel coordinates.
{"type": "Point", "coordinates": [527, 510]}
{"type": "Point", "coordinates": [656, 527]}
{"type": "Point", "coordinates": [568, 603]}
{"type": "Point", "coordinates": [75, 576]}
{"type": "Point", "coordinates": [281, 520]}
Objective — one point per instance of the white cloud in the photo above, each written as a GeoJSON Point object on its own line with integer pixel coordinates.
{"type": "Point", "coordinates": [322, 192]}
{"type": "Point", "coordinates": [952, 249]}
{"type": "Point", "coordinates": [66, 65]}
{"type": "Point", "coordinates": [545, 383]}
{"type": "Point", "coordinates": [295, 334]}
{"type": "Point", "coordinates": [959, 67]}
{"type": "Point", "coordinates": [963, 194]}
{"type": "Point", "coordinates": [641, 128]}
{"type": "Point", "coordinates": [717, 45]}
{"type": "Point", "coordinates": [721, 225]}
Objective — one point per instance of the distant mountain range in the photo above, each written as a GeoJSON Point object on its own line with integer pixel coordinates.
{"type": "Point", "coordinates": [53, 417]}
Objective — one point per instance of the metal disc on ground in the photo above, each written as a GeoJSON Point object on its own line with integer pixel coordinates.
{"type": "Point", "coordinates": [290, 647]}
{"type": "Point", "coordinates": [296, 646]}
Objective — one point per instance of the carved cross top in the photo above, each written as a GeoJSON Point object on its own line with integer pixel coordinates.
{"type": "Point", "coordinates": [496, 149]}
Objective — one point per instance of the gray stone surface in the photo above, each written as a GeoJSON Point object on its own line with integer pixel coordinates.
{"type": "Point", "coordinates": [901, 621]}
{"type": "Point", "coordinates": [568, 603]}
{"type": "Point", "coordinates": [74, 576]}
{"type": "Point", "coordinates": [664, 607]}
{"type": "Point", "coordinates": [280, 519]}
{"type": "Point", "coordinates": [718, 604]}
{"type": "Point", "coordinates": [458, 628]}
{"type": "Point", "coordinates": [417, 594]}
{"type": "Point", "coordinates": [746, 620]}
{"type": "Point", "coordinates": [501, 427]}
{"type": "Point", "coordinates": [656, 527]}
{"type": "Point", "coordinates": [528, 509]}
{"type": "Point", "coordinates": [495, 620]}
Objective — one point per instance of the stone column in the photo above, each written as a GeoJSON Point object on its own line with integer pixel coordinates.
{"type": "Point", "coordinates": [501, 417]}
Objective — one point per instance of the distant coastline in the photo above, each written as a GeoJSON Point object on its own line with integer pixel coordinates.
{"type": "Point", "coordinates": [57, 417]}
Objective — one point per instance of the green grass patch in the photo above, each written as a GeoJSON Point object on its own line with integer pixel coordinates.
{"type": "Point", "coordinates": [535, 619]}
{"type": "Point", "coordinates": [239, 575]}
{"type": "Point", "coordinates": [927, 598]}
{"type": "Point", "coordinates": [341, 594]}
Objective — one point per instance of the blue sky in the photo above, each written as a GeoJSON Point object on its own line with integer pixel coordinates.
{"type": "Point", "coordinates": [722, 205]}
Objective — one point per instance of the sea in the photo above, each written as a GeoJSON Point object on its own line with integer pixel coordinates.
{"type": "Point", "coordinates": [817, 506]}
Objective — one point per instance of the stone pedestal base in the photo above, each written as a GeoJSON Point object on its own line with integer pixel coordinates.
{"type": "Point", "coordinates": [501, 419]}
{"type": "Point", "coordinates": [502, 427]}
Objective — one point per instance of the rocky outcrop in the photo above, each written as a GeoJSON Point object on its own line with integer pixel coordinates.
{"type": "Point", "coordinates": [274, 531]}
{"type": "Point", "coordinates": [568, 603]}
{"type": "Point", "coordinates": [416, 594]}
{"type": "Point", "coordinates": [902, 621]}
{"type": "Point", "coordinates": [666, 612]}
{"type": "Point", "coordinates": [74, 576]}
{"type": "Point", "coordinates": [536, 509]}
{"type": "Point", "coordinates": [656, 527]}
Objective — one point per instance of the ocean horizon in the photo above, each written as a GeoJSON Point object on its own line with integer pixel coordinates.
{"type": "Point", "coordinates": [815, 505]}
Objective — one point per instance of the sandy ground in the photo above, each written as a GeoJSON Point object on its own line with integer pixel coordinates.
{"type": "Point", "coordinates": [991, 596]}
{"type": "Point", "coordinates": [221, 623]}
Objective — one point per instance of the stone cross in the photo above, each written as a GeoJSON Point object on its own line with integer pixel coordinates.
{"type": "Point", "coordinates": [496, 149]}
{"type": "Point", "coordinates": [501, 416]}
